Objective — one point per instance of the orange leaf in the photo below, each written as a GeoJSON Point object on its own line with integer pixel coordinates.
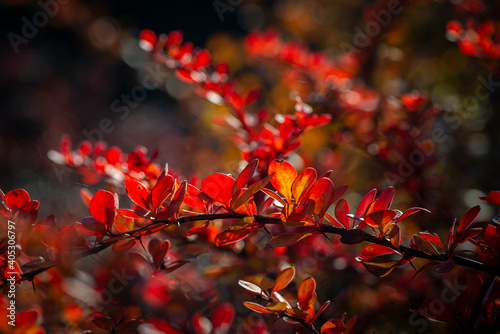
{"type": "Point", "coordinates": [303, 183]}
{"type": "Point", "coordinates": [284, 277]}
{"type": "Point", "coordinates": [394, 235]}
{"type": "Point", "coordinates": [297, 313]}
{"type": "Point", "coordinates": [284, 176]}
{"type": "Point", "coordinates": [123, 224]}
{"type": "Point", "coordinates": [305, 292]}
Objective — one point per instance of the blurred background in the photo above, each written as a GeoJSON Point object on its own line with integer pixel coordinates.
{"type": "Point", "coordinates": [81, 61]}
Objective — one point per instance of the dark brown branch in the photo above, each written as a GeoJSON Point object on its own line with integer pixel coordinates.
{"type": "Point", "coordinates": [263, 220]}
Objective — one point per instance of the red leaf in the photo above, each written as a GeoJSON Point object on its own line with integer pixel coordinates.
{"type": "Point", "coordinates": [223, 318]}
{"type": "Point", "coordinates": [493, 197]}
{"type": "Point", "coordinates": [202, 59]}
{"type": "Point", "coordinates": [32, 206]}
{"type": "Point", "coordinates": [248, 193]}
{"type": "Point", "coordinates": [376, 250]}
{"type": "Point", "coordinates": [50, 221]}
{"type": "Point", "coordinates": [48, 236]}
{"type": "Point", "coordinates": [161, 190]}
{"type": "Point", "coordinates": [409, 212]}
{"type": "Point", "coordinates": [339, 192]}
{"type": "Point", "coordinates": [218, 187]}
{"type": "Point", "coordinates": [137, 193]}
{"type": "Point", "coordinates": [463, 236]}
{"type": "Point", "coordinates": [147, 40]}
{"type": "Point", "coordinates": [468, 218]}
{"type": "Point", "coordinates": [100, 320]}
{"type": "Point", "coordinates": [113, 155]}
{"type": "Point", "coordinates": [385, 200]}
{"type": "Point", "coordinates": [445, 313]}
{"type": "Point", "coordinates": [322, 194]}
{"type": "Point", "coordinates": [102, 207]}
{"type": "Point", "coordinates": [184, 75]}
{"type": "Point", "coordinates": [432, 237]}
{"type": "Point", "coordinates": [252, 96]}
{"type": "Point", "coordinates": [425, 245]}
{"type": "Point", "coordinates": [365, 202]}
{"type": "Point", "coordinates": [380, 219]}
{"type": "Point", "coordinates": [274, 195]}
{"type": "Point", "coordinates": [17, 199]}
{"type": "Point", "coordinates": [129, 213]}
{"type": "Point", "coordinates": [158, 250]}
{"type": "Point", "coordinates": [245, 176]}
{"type": "Point", "coordinates": [198, 228]}
{"type": "Point", "coordinates": [303, 183]}
{"type": "Point", "coordinates": [321, 309]}
{"type": "Point", "coordinates": [191, 198]}
{"type": "Point", "coordinates": [86, 196]}
{"type": "Point", "coordinates": [296, 217]}
{"type": "Point", "coordinates": [123, 245]}
{"type": "Point", "coordinates": [173, 209]}
{"type": "Point", "coordinates": [91, 226]}
{"type": "Point", "coordinates": [229, 237]}
{"type": "Point", "coordinates": [284, 176]}
{"type": "Point", "coordinates": [341, 210]}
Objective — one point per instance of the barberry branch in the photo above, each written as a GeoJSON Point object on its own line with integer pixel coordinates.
{"type": "Point", "coordinates": [406, 251]}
